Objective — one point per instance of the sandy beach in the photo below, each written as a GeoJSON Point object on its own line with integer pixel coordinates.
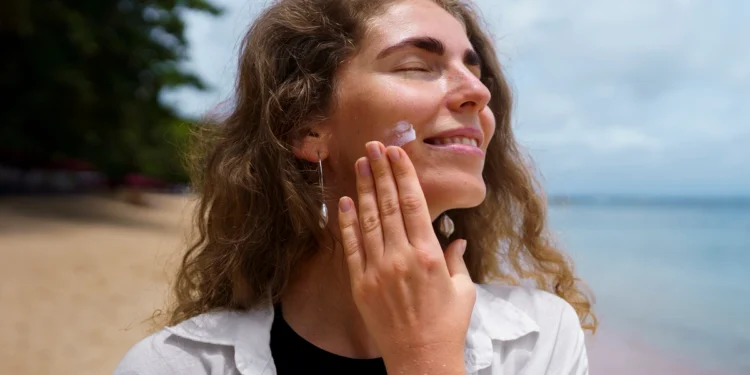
{"type": "Point", "coordinates": [80, 276]}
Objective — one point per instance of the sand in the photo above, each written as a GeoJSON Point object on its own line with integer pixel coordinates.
{"type": "Point", "coordinates": [80, 277]}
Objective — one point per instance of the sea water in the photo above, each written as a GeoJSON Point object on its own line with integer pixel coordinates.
{"type": "Point", "coordinates": [675, 274]}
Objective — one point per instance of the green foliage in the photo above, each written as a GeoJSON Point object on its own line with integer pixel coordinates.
{"type": "Point", "coordinates": [82, 79]}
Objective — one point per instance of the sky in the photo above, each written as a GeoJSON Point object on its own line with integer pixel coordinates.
{"type": "Point", "coordinates": [613, 97]}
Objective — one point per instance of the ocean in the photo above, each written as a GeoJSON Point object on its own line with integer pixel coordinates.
{"type": "Point", "coordinates": [674, 274]}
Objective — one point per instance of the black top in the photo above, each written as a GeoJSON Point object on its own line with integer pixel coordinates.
{"type": "Point", "coordinates": [293, 355]}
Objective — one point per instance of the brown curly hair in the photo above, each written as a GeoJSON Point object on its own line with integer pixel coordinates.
{"type": "Point", "coordinates": [257, 214]}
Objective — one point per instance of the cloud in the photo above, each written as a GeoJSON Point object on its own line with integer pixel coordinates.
{"type": "Point", "coordinates": [646, 97]}
{"type": "Point", "coordinates": [630, 97]}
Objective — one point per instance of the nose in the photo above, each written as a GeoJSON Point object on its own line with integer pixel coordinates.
{"type": "Point", "coordinates": [466, 92]}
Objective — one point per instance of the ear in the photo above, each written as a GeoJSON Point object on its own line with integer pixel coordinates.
{"type": "Point", "coordinates": [313, 146]}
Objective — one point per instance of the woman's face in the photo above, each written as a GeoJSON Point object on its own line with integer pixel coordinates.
{"type": "Point", "coordinates": [417, 65]}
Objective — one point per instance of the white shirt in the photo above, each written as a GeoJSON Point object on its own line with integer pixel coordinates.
{"type": "Point", "coordinates": [513, 330]}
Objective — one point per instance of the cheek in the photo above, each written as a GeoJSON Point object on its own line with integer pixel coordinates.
{"type": "Point", "coordinates": [370, 110]}
{"type": "Point", "coordinates": [416, 99]}
{"type": "Point", "coordinates": [488, 124]}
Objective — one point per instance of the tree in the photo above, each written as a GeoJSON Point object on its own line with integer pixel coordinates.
{"type": "Point", "coordinates": [82, 79]}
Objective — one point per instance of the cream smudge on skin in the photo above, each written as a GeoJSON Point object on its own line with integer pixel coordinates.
{"type": "Point", "coordinates": [401, 134]}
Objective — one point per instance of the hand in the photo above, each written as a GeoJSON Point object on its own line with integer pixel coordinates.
{"type": "Point", "coordinates": [415, 301]}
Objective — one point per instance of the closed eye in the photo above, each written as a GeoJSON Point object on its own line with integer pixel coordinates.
{"type": "Point", "coordinates": [413, 69]}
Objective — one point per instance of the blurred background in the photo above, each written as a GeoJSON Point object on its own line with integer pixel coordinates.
{"type": "Point", "coordinates": [637, 114]}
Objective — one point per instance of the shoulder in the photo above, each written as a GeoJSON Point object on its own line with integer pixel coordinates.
{"type": "Point", "coordinates": [166, 353]}
{"type": "Point", "coordinates": [559, 339]}
{"type": "Point", "coordinates": [549, 311]}
{"type": "Point", "coordinates": [153, 355]}
{"type": "Point", "coordinates": [204, 344]}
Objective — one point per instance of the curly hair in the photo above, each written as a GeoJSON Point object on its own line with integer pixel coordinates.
{"type": "Point", "coordinates": [257, 212]}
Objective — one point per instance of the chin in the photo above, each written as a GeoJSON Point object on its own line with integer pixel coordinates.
{"type": "Point", "coordinates": [454, 193]}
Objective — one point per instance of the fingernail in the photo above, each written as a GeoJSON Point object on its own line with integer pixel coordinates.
{"type": "Point", "coordinates": [463, 247]}
{"type": "Point", "coordinates": [345, 204]}
{"type": "Point", "coordinates": [393, 153]}
{"type": "Point", "coordinates": [363, 168]}
{"type": "Point", "coordinates": [373, 151]}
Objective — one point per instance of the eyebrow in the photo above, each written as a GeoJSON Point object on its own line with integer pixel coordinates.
{"type": "Point", "coordinates": [431, 45]}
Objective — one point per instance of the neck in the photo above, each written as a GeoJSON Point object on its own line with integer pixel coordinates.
{"type": "Point", "coordinates": [318, 305]}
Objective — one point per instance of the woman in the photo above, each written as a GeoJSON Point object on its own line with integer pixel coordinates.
{"type": "Point", "coordinates": [395, 114]}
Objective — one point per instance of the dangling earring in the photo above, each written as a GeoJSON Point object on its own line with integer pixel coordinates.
{"type": "Point", "coordinates": [323, 208]}
{"type": "Point", "coordinates": [446, 226]}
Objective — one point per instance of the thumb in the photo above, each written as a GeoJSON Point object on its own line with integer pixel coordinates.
{"type": "Point", "coordinates": [454, 258]}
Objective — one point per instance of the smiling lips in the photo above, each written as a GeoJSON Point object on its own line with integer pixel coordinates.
{"type": "Point", "coordinates": [454, 140]}
{"type": "Point", "coordinates": [464, 138]}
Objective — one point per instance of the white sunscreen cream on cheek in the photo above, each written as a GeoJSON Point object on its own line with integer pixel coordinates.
{"type": "Point", "coordinates": [401, 134]}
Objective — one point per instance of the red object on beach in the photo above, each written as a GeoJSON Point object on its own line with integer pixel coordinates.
{"type": "Point", "coordinates": [137, 180]}
{"type": "Point", "coordinates": [75, 165]}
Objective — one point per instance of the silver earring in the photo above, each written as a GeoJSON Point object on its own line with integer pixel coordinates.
{"type": "Point", "coordinates": [446, 226]}
{"type": "Point", "coordinates": [323, 208]}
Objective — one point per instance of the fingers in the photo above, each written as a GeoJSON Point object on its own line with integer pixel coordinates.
{"type": "Point", "coordinates": [459, 273]}
{"type": "Point", "coordinates": [416, 215]}
{"type": "Point", "coordinates": [387, 195]}
{"type": "Point", "coordinates": [369, 214]}
{"type": "Point", "coordinates": [351, 238]}
{"type": "Point", "coordinates": [454, 258]}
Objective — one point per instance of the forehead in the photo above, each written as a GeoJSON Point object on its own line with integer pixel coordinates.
{"type": "Point", "coordinates": [412, 18]}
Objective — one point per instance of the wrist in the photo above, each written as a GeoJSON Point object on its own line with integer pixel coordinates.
{"type": "Point", "coordinates": [432, 360]}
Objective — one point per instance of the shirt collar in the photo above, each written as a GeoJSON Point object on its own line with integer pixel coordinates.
{"type": "Point", "coordinates": [249, 332]}
{"type": "Point", "coordinates": [493, 319]}
{"type": "Point", "coordinates": [501, 319]}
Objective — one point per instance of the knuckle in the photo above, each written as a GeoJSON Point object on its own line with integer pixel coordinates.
{"type": "Point", "coordinates": [389, 206]}
{"type": "Point", "coordinates": [393, 268]}
{"type": "Point", "coordinates": [365, 188]}
{"type": "Point", "coordinates": [370, 285]}
{"type": "Point", "coordinates": [351, 245]}
{"type": "Point", "coordinates": [427, 260]}
{"type": "Point", "coordinates": [399, 267]}
{"type": "Point", "coordinates": [411, 203]}
{"type": "Point", "coordinates": [380, 173]}
{"type": "Point", "coordinates": [400, 172]}
{"type": "Point", "coordinates": [346, 222]}
{"type": "Point", "coordinates": [370, 223]}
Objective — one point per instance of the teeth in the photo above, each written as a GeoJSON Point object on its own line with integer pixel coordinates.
{"type": "Point", "coordinates": [456, 140]}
